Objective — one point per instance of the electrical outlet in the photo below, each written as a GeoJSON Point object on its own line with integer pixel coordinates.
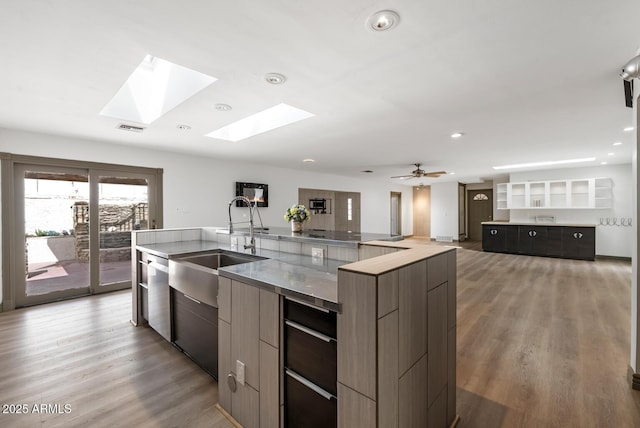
{"type": "Point", "coordinates": [317, 256]}
{"type": "Point", "coordinates": [240, 372]}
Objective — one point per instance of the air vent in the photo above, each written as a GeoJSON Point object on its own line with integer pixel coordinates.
{"type": "Point", "coordinates": [130, 128]}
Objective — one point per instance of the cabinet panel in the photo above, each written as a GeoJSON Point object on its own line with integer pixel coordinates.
{"type": "Point", "coordinates": [494, 238]}
{"type": "Point", "coordinates": [245, 330]}
{"type": "Point", "coordinates": [270, 318]}
{"type": "Point", "coordinates": [355, 410]}
{"type": "Point", "coordinates": [195, 331]}
{"type": "Point", "coordinates": [269, 386]}
{"type": "Point", "coordinates": [554, 241]}
{"type": "Point", "coordinates": [388, 371]}
{"type": "Point", "coordinates": [579, 243]}
{"type": "Point", "coordinates": [437, 342]}
{"type": "Point", "coordinates": [357, 332]}
{"type": "Point", "coordinates": [413, 317]}
{"type": "Point", "coordinates": [412, 396]}
{"type": "Point", "coordinates": [307, 407]}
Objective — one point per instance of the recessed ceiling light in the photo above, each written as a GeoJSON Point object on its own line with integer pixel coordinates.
{"type": "Point", "coordinates": [610, 154]}
{"type": "Point", "coordinates": [383, 20]}
{"type": "Point", "coordinates": [183, 127]}
{"type": "Point", "coordinates": [457, 135]}
{"type": "Point", "coordinates": [275, 78]}
{"type": "Point", "coordinates": [308, 160]}
{"type": "Point", "coordinates": [266, 120]}
{"type": "Point", "coordinates": [222, 107]}
{"type": "Point", "coordinates": [617, 143]}
{"type": "Point", "coordinates": [547, 163]}
{"type": "Point", "coordinates": [155, 87]}
{"type": "Point", "coordinates": [628, 129]}
{"type": "Point", "coordinates": [603, 163]}
{"type": "Point", "coordinates": [452, 173]}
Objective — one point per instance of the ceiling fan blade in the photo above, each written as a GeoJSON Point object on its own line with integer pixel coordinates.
{"type": "Point", "coordinates": [435, 174]}
{"type": "Point", "coordinates": [404, 176]}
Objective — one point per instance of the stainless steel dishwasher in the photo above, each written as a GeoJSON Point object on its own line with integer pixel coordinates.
{"type": "Point", "coordinates": [159, 296]}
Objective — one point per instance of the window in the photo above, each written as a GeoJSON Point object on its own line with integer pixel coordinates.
{"type": "Point", "coordinates": [480, 197]}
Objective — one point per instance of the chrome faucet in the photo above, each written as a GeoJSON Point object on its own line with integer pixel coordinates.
{"type": "Point", "coordinates": [252, 241]}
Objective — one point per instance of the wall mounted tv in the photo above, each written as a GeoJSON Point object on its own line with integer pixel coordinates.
{"type": "Point", "coordinates": [254, 192]}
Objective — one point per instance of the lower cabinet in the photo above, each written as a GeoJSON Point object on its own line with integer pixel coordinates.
{"type": "Point", "coordinates": [579, 243]}
{"type": "Point", "coordinates": [158, 297]}
{"type": "Point", "coordinates": [551, 241]}
{"type": "Point", "coordinates": [310, 360]}
{"type": "Point", "coordinates": [195, 330]}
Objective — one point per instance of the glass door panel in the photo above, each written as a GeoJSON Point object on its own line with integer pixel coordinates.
{"type": "Point", "coordinates": [52, 204]}
{"type": "Point", "coordinates": [123, 206]}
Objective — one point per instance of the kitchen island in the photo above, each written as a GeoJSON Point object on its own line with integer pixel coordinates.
{"type": "Point", "coordinates": [365, 340]}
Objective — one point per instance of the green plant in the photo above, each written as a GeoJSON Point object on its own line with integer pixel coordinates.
{"type": "Point", "coordinates": [297, 213]}
{"type": "Point", "coordinates": [40, 232]}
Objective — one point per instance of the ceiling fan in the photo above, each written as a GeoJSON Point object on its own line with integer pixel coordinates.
{"type": "Point", "coordinates": [419, 173]}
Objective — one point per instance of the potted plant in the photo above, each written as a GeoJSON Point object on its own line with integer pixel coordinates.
{"type": "Point", "coordinates": [296, 215]}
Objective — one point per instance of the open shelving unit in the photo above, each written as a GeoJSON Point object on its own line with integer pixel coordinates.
{"type": "Point", "coordinates": [587, 193]}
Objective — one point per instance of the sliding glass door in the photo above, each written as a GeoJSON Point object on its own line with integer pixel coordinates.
{"type": "Point", "coordinates": [71, 229]}
{"type": "Point", "coordinates": [48, 201]}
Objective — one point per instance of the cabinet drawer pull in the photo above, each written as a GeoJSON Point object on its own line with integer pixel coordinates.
{"type": "Point", "coordinates": [494, 232]}
{"type": "Point", "coordinates": [300, 302]}
{"type": "Point", "coordinates": [308, 331]}
{"type": "Point", "coordinates": [309, 384]}
{"type": "Point", "coordinates": [191, 298]}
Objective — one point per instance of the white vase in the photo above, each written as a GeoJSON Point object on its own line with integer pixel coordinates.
{"type": "Point", "coordinates": [296, 226]}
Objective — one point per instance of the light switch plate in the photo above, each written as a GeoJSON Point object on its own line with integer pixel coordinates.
{"type": "Point", "coordinates": [240, 372]}
{"type": "Point", "coordinates": [317, 256]}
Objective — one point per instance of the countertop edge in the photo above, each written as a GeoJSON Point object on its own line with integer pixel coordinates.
{"type": "Point", "coordinates": [524, 223]}
{"type": "Point", "coordinates": [385, 263]}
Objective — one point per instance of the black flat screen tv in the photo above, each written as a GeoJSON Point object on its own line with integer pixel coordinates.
{"type": "Point", "coordinates": [255, 192]}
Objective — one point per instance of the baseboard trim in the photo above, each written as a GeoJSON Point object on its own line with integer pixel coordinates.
{"type": "Point", "coordinates": [624, 259]}
{"type": "Point", "coordinates": [228, 416]}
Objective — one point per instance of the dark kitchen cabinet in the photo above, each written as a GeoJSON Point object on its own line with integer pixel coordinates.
{"type": "Point", "coordinates": [499, 238]}
{"type": "Point", "coordinates": [310, 360]}
{"type": "Point", "coordinates": [532, 240]}
{"type": "Point", "coordinates": [195, 331]}
{"type": "Point", "coordinates": [579, 243]}
{"type": "Point", "coordinates": [494, 238]}
{"type": "Point", "coordinates": [571, 242]}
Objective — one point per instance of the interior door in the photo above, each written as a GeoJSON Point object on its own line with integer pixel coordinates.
{"type": "Point", "coordinates": [396, 213]}
{"type": "Point", "coordinates": [480, 203]}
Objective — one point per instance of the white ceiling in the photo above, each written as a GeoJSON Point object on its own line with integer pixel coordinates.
{"type": "Point", "coordinates": [524, 80]}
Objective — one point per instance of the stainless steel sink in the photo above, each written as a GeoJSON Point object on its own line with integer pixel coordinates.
{"type": "Point", "coordinates": [197, 276]}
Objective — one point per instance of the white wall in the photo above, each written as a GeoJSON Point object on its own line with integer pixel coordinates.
{"type": "Point", "coordinates": [444, 210]}
{"type": "Point", "coordinates": [610, 240]}
{"type": "Point", "coordinates": [197, 189]}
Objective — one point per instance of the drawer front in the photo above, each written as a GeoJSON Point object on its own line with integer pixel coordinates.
{"type": "Point", "coordinates": [307, 408]}
{"type": "Point", "coordinates": [194, 334]}
{"type": "Point", "coordinates": [203, 310]}
{"type": "Point", "coordinates": [318, 319]}
{"type": "Point", "coordinates": [312, 356]}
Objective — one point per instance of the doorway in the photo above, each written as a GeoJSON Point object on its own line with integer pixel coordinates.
{"type": "Point", "coordinates": [480, 203]}
{"type": "Point", "coordinates": [69, 229]}
{"type": "Point", "coordinates": [396, 213]}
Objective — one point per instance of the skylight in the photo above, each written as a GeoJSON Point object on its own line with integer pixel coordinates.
{"type": "Point", "coordinates": [155, 87]}
{"type": "Point", "coordinates": [266, 120]}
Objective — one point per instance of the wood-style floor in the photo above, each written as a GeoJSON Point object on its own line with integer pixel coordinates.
{"type": "Point", "coordinates": [541, 343]}
{"type": "Point", "coordinates": [85, 353]}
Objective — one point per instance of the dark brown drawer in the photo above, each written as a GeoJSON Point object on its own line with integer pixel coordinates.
{"type": "Point", "coordinates": [312, 355]}
{"type": "Point", "coordinates": [318, 319]}
{"type": "Point", "coordinates": [195, 331]}
{"type": "Point", "coordinates": [306, 406]}
{"type": "Point", "coordinates": [203, 310]}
